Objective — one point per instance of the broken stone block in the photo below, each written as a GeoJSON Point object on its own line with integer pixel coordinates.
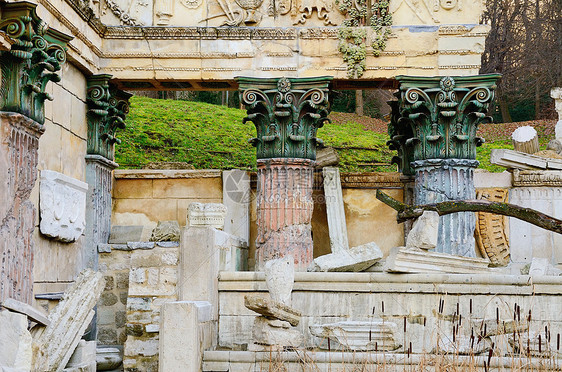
{"type": "Point", "coordinates": [84, 357]}
{"type": "Point", "coordinates": [495, 328]}
{"type": "Point", "coordinates": [327, 156]}
{"type": "Point", "coordinates": [15, 342]}
{"type": "Point", "coordinates": [62, 205]}
{"type": "Point", "coordinates": [280, 278]}
{"type": "Point", "coordinates": [542, 267]}
{"type": "Point", "coordinates": [166, 231]}
{"type": "Point", "coordinates": [357, 335]}
{"type": "Point", "coordinates": [124, 234]}
{"type": "Point", "coordinates": [424, 232]}
{"type": "Point", "coordinates": [273, 310]}
{"type": "Point", "coordinates": [25, 309]}
{"type": "Point", "coordinates": [414, 260]}
{"type": "Point", "coordinates": [206, 215]}
{"type": "Point", "coordinates": [520, 160]}
{"type": "Point", "coordinates": [55, 345]}
{"type": "Point", "coordinates": [555, 145]}
{"type": "Point", "coordinates": [275, 333]}
{"type": "Point", "coordinates": [355, 259]}
{"type": "Point", "coordinates": [108, 358]}
{"type": "Point", "coordinates": [335, 212]}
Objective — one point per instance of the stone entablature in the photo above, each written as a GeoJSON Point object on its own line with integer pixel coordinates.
{"type": "Point", "coordinates": [537, 178]}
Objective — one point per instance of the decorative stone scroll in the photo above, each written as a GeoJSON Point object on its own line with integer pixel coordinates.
{"type": "Point", "coordinates": [107, 109]}
{"type": "Point", "coordinates": [287, 112]}
{"type": "Point", "coordinates": [62, 203]}
{"type": "Point", "coordinates": [491, 229]}
{"type": "Point", "coordinates": [35, 57]}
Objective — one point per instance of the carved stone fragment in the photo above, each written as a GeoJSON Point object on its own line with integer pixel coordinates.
{"type": "Point", "coordinates": [354, 259]}
{"type": "Point", "coordinates": [280, 278]}
{"type": "Point", "coordinates": [357, 335]}
{"type": "Point", "coordinates": [166, 231]}
{"type": "Point", "coordinates": [206, 215]}
{"type": "Point", "coordinates": [62, 204]}
{"type": "Point", "coordinates": [272, 310]}
{"type": "Point", "coordinates": [403, 260]}
{"type": "Point", "coordinates": [491, 229]}
{"type": "Point", "coordinates": [275, 333]}
{"type": "Point", "coordinates": [55, 345]}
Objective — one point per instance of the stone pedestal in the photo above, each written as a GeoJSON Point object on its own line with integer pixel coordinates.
{"type": "Point", "coordinates": [439, 180]}
{"type": "Point", "coordinates": [284, 211]}
{"type": "Point", "coordinates": [98, 206]}
{"type": "Point", "coordinates": [19, 142]}
{"type": "Point", "coordinates": [556, 94]}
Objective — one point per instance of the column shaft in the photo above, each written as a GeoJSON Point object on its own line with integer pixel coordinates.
{"type": "Point", "coordinates": [284, 211]}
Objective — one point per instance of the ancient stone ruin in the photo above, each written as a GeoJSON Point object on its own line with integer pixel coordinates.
{"type": "Point", "coordinates": [108, 269]}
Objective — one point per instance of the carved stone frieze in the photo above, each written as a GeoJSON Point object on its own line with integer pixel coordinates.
{"type": "Point", "coordinates": [525, 178]}
{"type": "Point", "coordinates": [107, 108]}
{"type": "Point", "coordinates": [35, 57]}
{"type": "Point", "coordinates": [287, 113]}
{"type": "Point", "coordinates": [62, 206]}
{"type": "Point", "coordinates": [491, 229]}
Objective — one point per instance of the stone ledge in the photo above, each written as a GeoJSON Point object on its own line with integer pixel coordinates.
{"type": "Point", "coordinates": [495, 281]}
{"type": "Point", "coordinates": [166, 173]}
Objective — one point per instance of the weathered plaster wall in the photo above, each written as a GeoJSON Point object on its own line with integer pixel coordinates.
{"type": "Point", "coordinates": [62, 148]}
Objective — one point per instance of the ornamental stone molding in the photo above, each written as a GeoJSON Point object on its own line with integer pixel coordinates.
{"type": "Point", "coordinates": [62, 205]}
{"type": "Point", "coordinates": [35, 57]}
{"type": "Point", "coordinates": [287, 112]}
{"type": "Point", "coordinates": [437, 117]}
{"type": "Point", "coordinates": [107, 109]}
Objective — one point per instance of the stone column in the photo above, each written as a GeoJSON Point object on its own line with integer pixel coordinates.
{"type": "Point", "coordinates": [440, 180]}
{"type": "Point", "coordinates": [107, 108]}
{"type": "Point", "coordinates": [287, 113]}
{"type": "Point", "coordinates": [433, 128]}
{"type": "Point", "coordinates": [556, 94]}
{"type": "Point", "coordinates": [335, 212]}
{"type": "Point", "coordinates": [34, 59]}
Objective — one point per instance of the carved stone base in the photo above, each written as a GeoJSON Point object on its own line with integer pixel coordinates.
{"type": "Point", "coordinates": [440, 180]}
{"type": "Point", "coordinates": [19, 142]}
{"type": "Point", "coordinates": [284, 203]}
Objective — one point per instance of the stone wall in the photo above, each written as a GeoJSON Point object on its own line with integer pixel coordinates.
{"type": "Point", "coordinates": [62, 148]}
{"type": "Point", "coordinates": [144, 197]}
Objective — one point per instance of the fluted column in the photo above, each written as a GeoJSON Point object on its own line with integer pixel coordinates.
{"type": "Point", "coordinates": [36, 55]}
{"type": "Point", "coordinates": [287, 113]}
{"type": "Point", "coordinates": [433, 128]}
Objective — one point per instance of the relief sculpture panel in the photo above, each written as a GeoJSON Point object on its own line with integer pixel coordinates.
{"type": "Point", "coordinates": [62, 204]}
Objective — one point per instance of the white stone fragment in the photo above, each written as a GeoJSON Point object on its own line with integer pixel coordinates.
{"type": "Point", "coordinates": [556, 94]}
{"type": "Point", "coordinates": [357, 335]}
{"type": "Point", "coordinates": [424, 233]}
{"type": "Point", "coordinates": [69, 320]}
{"type": "Point", "coordinates": [275, 333]}
{"type": "Point", "coordinates": [206, 215]}
{"type": "Point", "coordinates": [515, 159]}
{"type": "Point", "coordinates": [62, 205]}
{"type": "Point", "coordinates": [84, 357]}
{"type": "Point", "coordinates": [355, 259]}
{"type": "Point", "coordinates": [20, 307]}
{"type": "Point", "coordinates": [335, 212]}
{"type": "Point", "coordinates": [413, 260]}
{"type": "Point", "coordinates": [181, 338]}
{"type": "Point", "coordinates": [542, 267]}
{"type": "Point", "coordinates": [524, 134]}
{"type": "Point", "coordinates": [15, 342]}
{"type": "Point", "coordinates": [280, 278]}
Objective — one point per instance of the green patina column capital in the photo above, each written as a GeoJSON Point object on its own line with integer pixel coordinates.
{"type": "Point", "coordinates": [36, 55]}
{"type": "Point", "coordinates": [287, 112]}
{"type": "Point", "coordinates": [107, 109]}
{"type": "Point", "coordinates": [437, 117]}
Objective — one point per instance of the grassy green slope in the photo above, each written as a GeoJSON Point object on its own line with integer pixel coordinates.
{"type": "Point", "coordinates": [213, 137]}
